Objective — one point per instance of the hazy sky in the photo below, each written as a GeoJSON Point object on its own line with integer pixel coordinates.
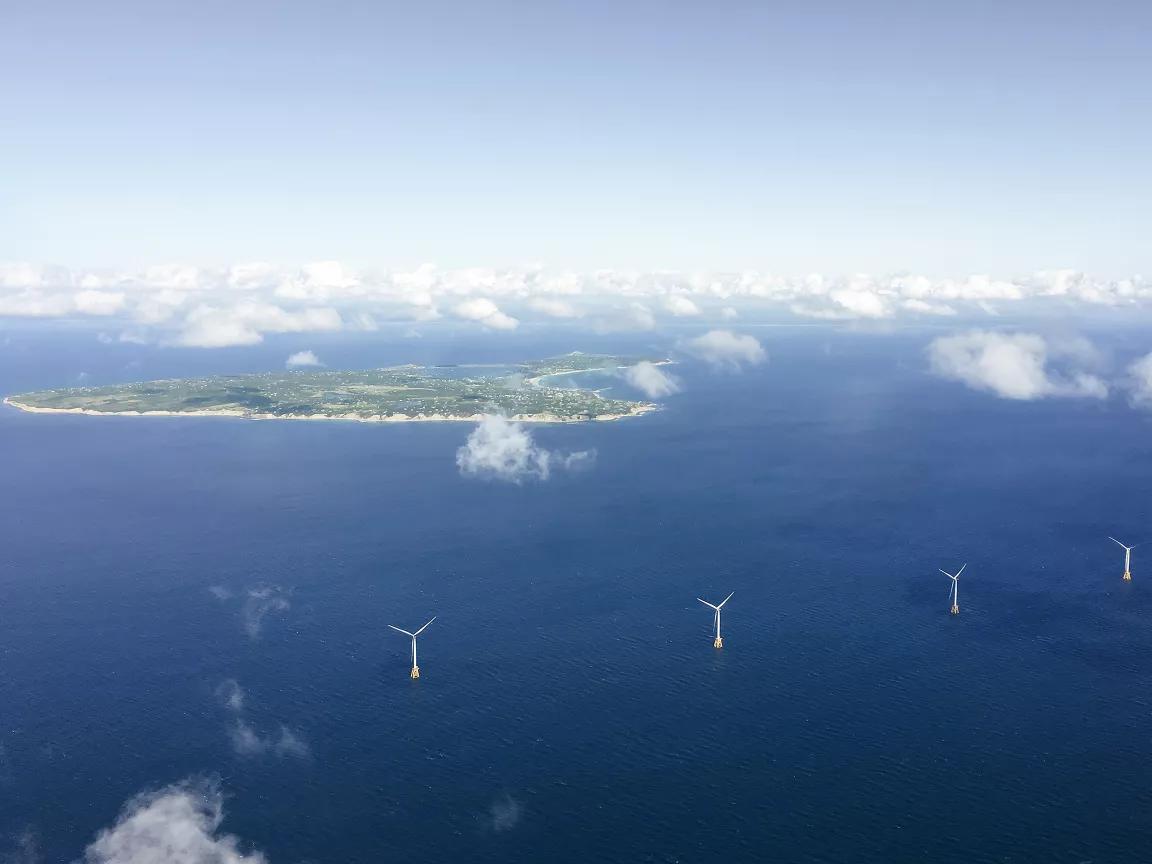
{"type": "Point", "coordinates": [943, 137]}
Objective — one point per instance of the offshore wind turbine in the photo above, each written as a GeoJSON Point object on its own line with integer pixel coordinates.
{"type": "Point", "coordinates": [415, 667]}
{"type": "Point", "coordinates": [719, 643]}
{"type": "Point", "coordinates": [1127, 558]}
{"type": "Point", "coordinates": [954, 591]}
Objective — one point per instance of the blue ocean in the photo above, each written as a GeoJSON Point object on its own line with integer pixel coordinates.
{"type": "Point", "coordinates": [209, 598]}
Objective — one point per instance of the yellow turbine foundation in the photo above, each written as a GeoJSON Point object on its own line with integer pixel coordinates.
{"type": "Point", "coordinates": [955, 609]}
{"type": "Point", "coordinates": [415, 671]}
{"type": "Point", "coordinates": [1127, 576]}
{"type": "Point", "coordinates": [719, 643]}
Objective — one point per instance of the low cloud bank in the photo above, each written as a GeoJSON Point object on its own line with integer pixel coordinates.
{"type": "Point", "coordinates": [498, 449]}
{"type": "Point", "coordinates": [179, 824]}
{"type": "Point", "coordinates": [240, 305]}
{"type": "Point", "coordinates": [1022, 366]}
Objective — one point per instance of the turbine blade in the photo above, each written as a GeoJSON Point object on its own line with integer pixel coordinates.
{"type": "Point", "coordinates": [405, 632]}
{"type": "Point", "coordinates": [706, 603]}
{"type": "Point", "coordinates": [1117, 542]}
{"type": "Point", "coordinates": [425, 627]}
{"type": "Point", "coordinates": [961, 570]}
{"type": "Point", "coordinates": [945, 572]}
{"type": "Point", "coordinates": [726, 599]}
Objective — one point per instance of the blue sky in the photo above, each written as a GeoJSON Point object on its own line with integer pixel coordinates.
{"type": "Point", "coordinates": [948, 138]}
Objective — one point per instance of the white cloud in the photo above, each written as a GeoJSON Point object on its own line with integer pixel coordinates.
{"type": "Point", "coordinates": [724, 349]}
{"type": "Point", "coordinates": [1140, 382]}
{"type": "Point", "coordinates": [484, 311]}
{"type": "Point", "coordinates": [681, 306]}
{"type": "Point", "coordinates": [651, 380]}
{"type": "Point", "coordinates": [502, 450]}
{"type": "Point", "coordinates": [246, 323]}
{"type": "Point", "coordinates": [240, 304]}
{"type": "Point", "coordinates": [179, 824]}
{"type": "Point", "coordinates": [1016, 365]}
{"type": "Point", "coordinates": [302, 358]}
{"type": "Point", "coordinates": [92, 302]}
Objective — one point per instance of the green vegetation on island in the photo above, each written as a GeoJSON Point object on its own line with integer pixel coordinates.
{"type": "Point", "coordinates": [402, 393]}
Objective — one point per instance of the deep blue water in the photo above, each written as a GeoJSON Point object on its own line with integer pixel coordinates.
{"type": "Point", "coordinates": [572, 707]}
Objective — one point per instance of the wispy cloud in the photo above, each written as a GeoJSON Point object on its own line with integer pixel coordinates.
{"type": "Point", "coordinates": [504, 813]}
{"type": "Point", "coordinates": [246, 740]}
{"type": "Point", "coordinates": [1021, 366]}
{"type": "Point", "coordinates": [723, 349]}
{"type": "Point", "coordinates": [179, 824]}
{"type": "Point", "coordinates": [502, 450]}
{"type": "Point", "coordinates": [260, 602]}
{"type": "Point", "coordinates": [1139, 382]}
{"type": "Point", "coordinates": [24, 848]}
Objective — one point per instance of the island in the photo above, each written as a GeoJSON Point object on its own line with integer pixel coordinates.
{"type": "Point", "coordinates": [396, 394]}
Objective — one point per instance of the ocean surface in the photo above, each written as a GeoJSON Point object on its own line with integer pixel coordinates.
{"type": "Point", "coordinates": [571, 706]}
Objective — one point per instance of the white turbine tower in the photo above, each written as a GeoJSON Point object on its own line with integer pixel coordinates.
{"type": "Point", "coordinates": [954, 591]}
{"type": "Point", "coordinates": [719, 643]}
{"type": "Point", "coordinates": [1127, 558]}
{"type": "Point", "coordinates": [415, 667]}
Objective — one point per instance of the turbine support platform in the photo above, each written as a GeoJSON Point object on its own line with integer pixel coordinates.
{"type": "Point", "coordinates": [719, 643]}
{"type": "Point", "coordinates": [1127, 576]}
{"type": "Point", "coordinates": [415, 671]}
{"type": "Point", "coordinates": [955, 609]}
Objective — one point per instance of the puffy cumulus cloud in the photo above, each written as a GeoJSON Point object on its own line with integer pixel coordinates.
{"type": "Point", "coordinates": [724, 349]}
{"type": "Point", "coordinates": [1016, 365]}
{"type": "Point", "coordinates": [484, 311]}
{"type": "Point", "coordinates": [499, 449]}
{"type": "Point", "coordinates": [246, 323]}
{"type": "Point", "coordinates": [179, 824]}
{"type": "Point", "coordinates": [651, 380]}
{"type": "Point", "coordinates": [681, 306]}
{"type": "Point", "coordinates": [301, 359]}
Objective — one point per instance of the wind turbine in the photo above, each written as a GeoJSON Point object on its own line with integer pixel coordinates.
{"type": "Point", "coordinates": [954, 591]}
{"type": "Point", "coordinates": [719, 643]}
{"type": "Point", "coordinates": [415, 668]}
{"type": "Point", "coordinates": [1127, 558]}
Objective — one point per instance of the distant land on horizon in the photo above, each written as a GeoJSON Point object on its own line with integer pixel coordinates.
{"type": "Point", "coordinates": [392, 394]}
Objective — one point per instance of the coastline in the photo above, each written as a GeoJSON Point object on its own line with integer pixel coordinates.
{"type": "Point", "coordinates": [641, 408]}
